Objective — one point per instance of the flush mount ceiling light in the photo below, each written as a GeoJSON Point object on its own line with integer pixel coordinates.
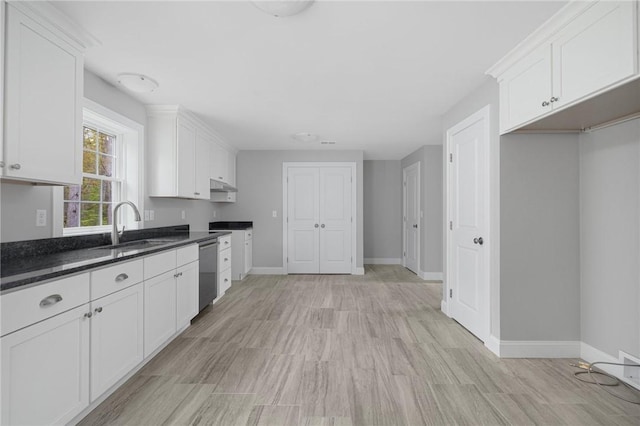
{"type": "Point", "coordinates": [137, 83]}
{"type": "Point", "coordinates": [304, 137]}
{"type": "Point", "coordinates": [281, 8]}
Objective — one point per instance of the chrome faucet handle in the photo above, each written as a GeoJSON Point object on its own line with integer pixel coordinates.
{"type": "Point", "coordinates": [121, 233]}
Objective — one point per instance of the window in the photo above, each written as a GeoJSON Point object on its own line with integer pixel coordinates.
{"type": "Point", "coordinates": [112, 171]}
{"type": "Point", "coordinates": [91, 204]}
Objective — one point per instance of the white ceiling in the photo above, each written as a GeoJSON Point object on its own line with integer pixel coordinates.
{"type": "Point", "coordinates": [373, 76]}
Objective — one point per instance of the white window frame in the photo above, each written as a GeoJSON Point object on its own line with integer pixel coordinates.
{"type": "Point", "coordinates": [130, 135]}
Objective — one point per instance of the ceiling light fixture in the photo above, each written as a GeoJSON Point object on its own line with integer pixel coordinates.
{"type": "Point", "coordinates": [281, 8]}
{"type": "Point", "coordinates": [305, 137]}
{"type": "Point", "coordinates": [137, 82]}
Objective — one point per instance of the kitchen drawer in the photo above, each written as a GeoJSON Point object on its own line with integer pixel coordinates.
{"type": "Point", "coordinates": [156, 264]}
{"type": "Point", "coordinates": [224, 259]}
{"type": "Point", "coordinates": [224, 242]}
{"type": "Point", "coordinates": [248, 234]}
{"type": "Point", "coordinates": [25, 307]}
{"type": "Point", "coordinates": [114, 278]}
{"type": "Point", "coordinates": [225, 281]}
{"type": "Point", "coordinates": [187, 254]}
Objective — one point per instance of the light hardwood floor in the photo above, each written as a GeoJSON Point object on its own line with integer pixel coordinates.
{"type": "Point", "coordinates": [347, 350]}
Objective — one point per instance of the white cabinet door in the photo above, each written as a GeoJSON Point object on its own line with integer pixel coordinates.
{"type": "Point", "coordinates": [595, 50]}
{"type": "Point", "coordinates": [248, 256]}
{"type": "Point", "coordinates": [43, 95]}
{"type": "Point", "coordinates": [116, 337]}
{"type": "Point", "coordinates": [219, 163]}
{"type": "Point", "coordinates": [231, 167]}
{"type": "Point", "coordinates": [525, 89]}
{"type": "Point", "coordinates": [335, 220]}
{"type": "Point", "coordinates": [202, 167]}
{"type": "Point", "coordinates": [187, 293]}
{"type": "Point", "coordinates": [303, 219]}
{"type": "Point", "coordinates": [159, 311]}
{"type": "Point", "coordinates": [45, 370]}
{"type": "Point", "coordinates": [186, 159]}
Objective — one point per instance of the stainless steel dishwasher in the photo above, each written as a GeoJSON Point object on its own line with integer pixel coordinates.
{"type": "Point", "coordinates": [208, 272]}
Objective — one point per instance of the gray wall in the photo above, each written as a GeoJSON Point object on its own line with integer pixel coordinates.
{"type": "Point", "coordinates": [540, 280]}
{"type": "Point", "coordinates": [19, 201]}
{"type": "Point", "coordinates": [610, 232]}
{"type": "Point", "coordinates": [259, 182]}
{"type": "Point", "coordinates": [431, 199]}
{"type": "Point", "coordinates": [382, 198]}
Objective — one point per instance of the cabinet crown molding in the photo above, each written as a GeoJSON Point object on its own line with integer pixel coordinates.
{"type": "Point", "coordinates": [49, 15]}
{"type": "Point", "coordinates": [540, 35]}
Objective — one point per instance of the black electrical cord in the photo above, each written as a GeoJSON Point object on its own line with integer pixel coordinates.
{"type": "Point", "coordinates": [593, 374]}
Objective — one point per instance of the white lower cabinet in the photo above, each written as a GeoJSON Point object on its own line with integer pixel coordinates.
{"type": "Point", "coordinates": [187, 293]}
{"type": "Point", "coordinates": [45, 370]}
{"type": "Point", "coordinates": [159, 310]}
{"type": "Point", "coordinates": [116, 337]}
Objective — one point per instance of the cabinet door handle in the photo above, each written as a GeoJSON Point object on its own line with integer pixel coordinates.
{"type": "Point", "coordinates": [553, 99]}
{"type": "Point", "coordinates": [226, 280]}
{"type": "Point", "coordinates": [545, 103]}
{"type": "Point", "coordinates": [88, 315]}
{"type": "Point", "coordinates": [1, 164]}
{"type": "Point", "coordinates": [50, 300]}
{"type": "Point", "coordinates": [121, 277]}
{"type": "Point", "coordinates": [196, 193]}
{"type": "Point", "coordinates": [226, 259]}
{"type": "Point", "coordinates": [322, 226]}
{"type": "Point", "coordinates": [220, 177]}
{"type": "Point", "coordinates": [98, 310]}
{"type": "Point", "coordinates": [15, 166]}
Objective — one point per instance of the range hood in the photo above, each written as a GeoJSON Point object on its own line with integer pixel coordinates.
{"type": "Point", "coordinates": [217, 186]}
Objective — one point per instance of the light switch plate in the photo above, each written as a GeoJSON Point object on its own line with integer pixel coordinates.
{"type": "Point", "coordinates": [146, 215]}
{"type": "Point", "coordinates": [184, 214]}
{"type": "Point", "coordinates": [152, 215]}
{"type": "Point", "coordinates": [274, 213]}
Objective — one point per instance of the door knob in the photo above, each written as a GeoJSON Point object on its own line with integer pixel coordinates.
{"type": "Point", "coordinates": [322, 226]}
{"type": "Point", "coordinates": [316, 225]}
{"type": "Point", "coordinates": [478, 241]}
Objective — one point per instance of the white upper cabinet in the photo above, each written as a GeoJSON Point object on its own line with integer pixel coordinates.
{"type": "Point", "coordinates": [586, 49]}
{"type": "Point", "coordinates": [178, 154]}
{"type": "Point", "coordinates": [219, 163]}
{"type": "Point", "coordinates": [594, 51]}
{"type": "Point", "coordinates": [42, 102]}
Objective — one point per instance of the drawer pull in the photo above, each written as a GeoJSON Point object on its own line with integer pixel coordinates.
{"type": "Point", "coordinates": [121, 277]}
{"type": "Point", "coordinates": [98, 310]}
{"type": "Point", "coordinates": [226, 259]}
{"type": "Point", "coordinates": [50, 300]}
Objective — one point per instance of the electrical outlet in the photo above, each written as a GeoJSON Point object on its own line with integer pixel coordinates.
{"type": "Point", "coordinates": [146, 215]}
{"type": "Point", "coordinates": [215, 214]}
{"type": "Point", "coordinates": [274, 213]}
{"type": "Point", "coordinates": [41, 218]}
{"type": "Point", "coordinates": [184, 214]}
{"type": "Point", "coordinates": [152, 215]}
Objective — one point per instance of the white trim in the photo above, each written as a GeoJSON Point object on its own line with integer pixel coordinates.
{"type": "Point", "coordinates": [355, 270]}
{"type": "Point", "coordinates": [536, 348]}
{"type": "Point", "coordinates": [431, 276]}
{"type": "Point", "coordinates": [591, 354]}
{"type": "Point", "coordinates": [444, 308]}
{"type": "Point", "coordinates": [493, 344]}
{"type": "Point", "coordinates": [485, 115]}
{"type": "Point", "coordinates": [417, 165]}
{"type": "Point", "coordinates": [382, 261]}
{"type": "Point", "coordinates": [266, 270]}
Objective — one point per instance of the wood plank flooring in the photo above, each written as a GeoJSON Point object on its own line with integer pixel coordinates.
{"type": "Point", "coordinates": [343, 351]}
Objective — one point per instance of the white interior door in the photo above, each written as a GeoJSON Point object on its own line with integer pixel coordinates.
{"type": "Point", "coordinates": [303, 227]}
{"type": "Point", "coordinates": [468, 256]}
{"type": "Point", "coordinates": [335, 220]}
{"type": "Point", "coordinates": [411, 216]}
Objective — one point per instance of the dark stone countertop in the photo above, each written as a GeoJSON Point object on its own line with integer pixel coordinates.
{"type": "Point", "coordinates": [230, 226]}
{"type": "Point", "coordinates": [18, 272]}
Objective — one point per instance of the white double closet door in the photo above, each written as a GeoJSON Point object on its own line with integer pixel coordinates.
{"type": "Point", "coordinates": [319, 219]}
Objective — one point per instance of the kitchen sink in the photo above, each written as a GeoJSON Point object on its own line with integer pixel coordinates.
{"type": "Point", "coordinates": [134, 245]}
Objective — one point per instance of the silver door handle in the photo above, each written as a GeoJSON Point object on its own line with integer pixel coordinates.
{"type": "Point", "coordinates": [121, 277]}
{"type": "Point", "coordinates": [196, 193]}
{"type": "Point", "coordinates": [88, 315]}
{"type": "Point", "coordinates": [98, 310]}
{"type": "Point", "coordinates": [226, 259]}
{"type": "Point", "coordinates": [322, 226]}
{"type": "Point", "coordinates": [50, 300]}
{"type": "Point", "coordinates": [15, 166]}
{"type": "Point", "coordinates": [553, 99]}
{"type": "Point", "coordinates": [545, 103]}
{"type": "Point", "coordinates": [478, 241]}
{"type": "Point", "coordinates": [316, 225]}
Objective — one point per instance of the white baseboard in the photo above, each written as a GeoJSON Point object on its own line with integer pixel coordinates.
{"type": "Point", "coordinates": [493, 344]}
{"type": "Point", "coordinates": [535, 348]}
{"type": "Point", "coordinates": [266, 271]}
{"type": "Point", "coordinates": [431, 276]}
{"type": "Point", "coordinates": [359, 270]}
{"type": "Point", "coordinates": [591, 354]}
{"type": "Point", "coordinates": [382, 261]}
{"type": "Point", "coordinates": [443, 308]}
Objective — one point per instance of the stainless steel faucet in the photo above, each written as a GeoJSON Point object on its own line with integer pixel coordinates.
{"type": "Point", "coordinates": [115, 235]}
